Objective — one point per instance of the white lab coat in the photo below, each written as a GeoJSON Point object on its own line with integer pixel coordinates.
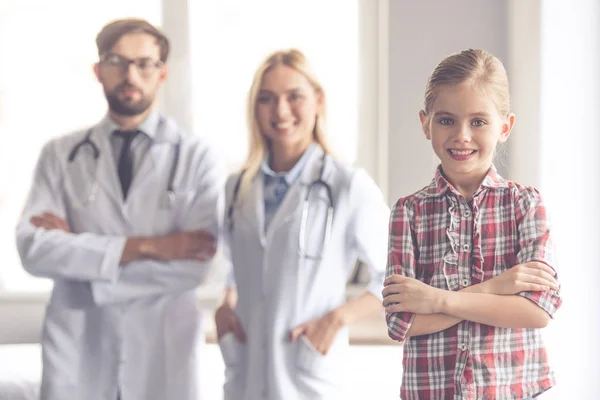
{"type": "Point", "coordinates": [278, 291]}
{"type": "Point", "coordinates": [136, 329]}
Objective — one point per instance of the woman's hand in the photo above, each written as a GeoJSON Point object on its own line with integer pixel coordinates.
{"type": "Point", "coordinates": [531, 276]}
{"type": "Point", "coordinates": [320, 332]}
{"type": "Point", "coordinates": [227, 320]}
{"type": "Point", "coordinates": [403, 294]}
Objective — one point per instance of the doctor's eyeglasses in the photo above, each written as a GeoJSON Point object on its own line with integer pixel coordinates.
{"type": "Point", "coordinates": [119, 64]}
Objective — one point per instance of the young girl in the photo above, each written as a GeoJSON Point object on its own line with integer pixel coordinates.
{"type": "Point", "coordinates": [297, 220]}
{"type": "Point", "coordinates": [471, 279]}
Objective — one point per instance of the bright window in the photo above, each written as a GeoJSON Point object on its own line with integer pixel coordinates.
{"type": "Point", "coordinates": [47, 88]}
{"type": "Point", "coordinates": [230, 38]}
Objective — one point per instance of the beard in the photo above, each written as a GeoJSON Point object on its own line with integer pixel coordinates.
{"type": "Point", "coordinates": [126, 106]}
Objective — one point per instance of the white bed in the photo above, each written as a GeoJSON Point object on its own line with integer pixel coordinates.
{"type": "Point", "coordinates": [373, 370]}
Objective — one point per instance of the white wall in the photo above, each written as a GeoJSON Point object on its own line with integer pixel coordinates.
{"type": "Point", "coordinates": [552, 54]}
{"type": "Point", "coordinates": [570, 67]}
{"type": "Point", "coordinates": [421, 33]}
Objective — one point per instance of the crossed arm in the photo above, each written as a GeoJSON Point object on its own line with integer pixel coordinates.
{"type": "Point", "coordinates": [170, 263]}
{"type": "Point", "coordinates": [189, 245]}
{"type": "Point", "coordinates": [493, 302]}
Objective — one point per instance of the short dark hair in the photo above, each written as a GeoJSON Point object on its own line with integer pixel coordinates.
{"type": "Point", "coordinates": [113, 31]}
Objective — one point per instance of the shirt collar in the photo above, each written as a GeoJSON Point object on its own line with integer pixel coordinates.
{"type": "Point", "coordinates": [440, 185]}
{"type": "Point", "coordinates": [150, 126]}
{"type": "Point", "coordinates": [293, 174]}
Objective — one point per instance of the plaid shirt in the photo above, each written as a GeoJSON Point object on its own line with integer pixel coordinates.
{"type": "Point", "coordinates": [448, 242]}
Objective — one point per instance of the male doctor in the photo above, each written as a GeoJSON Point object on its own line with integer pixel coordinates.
{"type": "Point", "coordinates": [123, 218]}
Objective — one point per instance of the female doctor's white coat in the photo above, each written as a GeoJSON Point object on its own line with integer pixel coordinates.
{"type": "Point", "coordinates": [134, 330]}
{"type": "Point", "coordinates": [278, 290]}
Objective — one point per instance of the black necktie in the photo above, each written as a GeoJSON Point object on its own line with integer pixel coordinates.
{"type": "Point", "coordinates": [125, 165]}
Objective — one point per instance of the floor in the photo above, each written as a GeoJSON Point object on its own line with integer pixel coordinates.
{"type": "Point", "coordinates": [374, 372]}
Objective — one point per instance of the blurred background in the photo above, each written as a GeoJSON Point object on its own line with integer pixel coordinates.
{"type": "Point", "coordinates": [373, 58]}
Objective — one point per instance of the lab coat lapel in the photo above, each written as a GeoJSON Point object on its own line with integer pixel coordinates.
{"type": "Point", "coordinates": [160, 158]}
{"type": "Point", "coordinates": [108, 179]}
{"type": "Point", "coordinates": [294, 199]}
{"type": "Point", "coordinates": [157, 160]}
{"type": "Point", "coordinates": [253, 208]}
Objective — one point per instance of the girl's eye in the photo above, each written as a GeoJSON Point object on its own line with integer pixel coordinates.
{"type": "Point", "coordinates": [478, 122]}
{"type": "Point", "coordinates": [295, 97]}
{"type": "Point", "coordinates": [446, 121]}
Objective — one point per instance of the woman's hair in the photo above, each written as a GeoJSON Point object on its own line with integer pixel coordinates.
{"type": "Point", "coordinates": [258, 143]}
{"type": "Point", "coordinates": [477, 67]}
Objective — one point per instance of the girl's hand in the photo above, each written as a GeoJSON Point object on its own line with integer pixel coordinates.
{"type": "Point", "coordinates": [531, 276]}
{"type": "Point", "coordinates": [320, 332]}
{"type": "Point", "coordinates": [403, 294]}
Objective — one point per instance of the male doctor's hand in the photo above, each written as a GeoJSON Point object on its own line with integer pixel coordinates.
{"type": "Point", "coordinates": [49, 221]}
{"type": "Point", "coordinates": [320, 332]}
{"type": "Point", "coordinates": [194, 245]}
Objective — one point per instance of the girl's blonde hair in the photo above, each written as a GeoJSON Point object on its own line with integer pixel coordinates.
{"type": "Point", "coordinates": [258, 144]}
{"type": "Point", "coordinates": [477, 67]}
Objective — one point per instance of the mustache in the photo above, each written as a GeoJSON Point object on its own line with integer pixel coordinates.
{"type": "Point", "coordinates": [127, 85]}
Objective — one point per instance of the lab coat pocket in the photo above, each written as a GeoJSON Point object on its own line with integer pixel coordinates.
{"type": "Point", "coordinates": [62, 339]}
{"type": "Point", "coordinates": [318, 374]}
{"type": "Point", "coordinates": [170, 214]}
{"type": "Point", "coordinates": [232, 352]}
{"type": "Point", "coordinates": [230, 349]}
{"type": "Point", "coordinates": [312, 362]}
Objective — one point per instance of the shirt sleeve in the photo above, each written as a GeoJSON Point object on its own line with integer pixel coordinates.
{"type": "Point", "coordinates": [536, 244]}
{"type": "Point", "coordinates": [370, 228]}
{"type": "Point", "coordinates": [401, 261]}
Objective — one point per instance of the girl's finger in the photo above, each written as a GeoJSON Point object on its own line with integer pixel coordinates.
{"type": "Point", "coordinates": [395, 308]}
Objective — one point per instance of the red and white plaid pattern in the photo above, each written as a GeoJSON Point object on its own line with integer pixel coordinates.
{"type": "Point", "coordinates": [440, 238]}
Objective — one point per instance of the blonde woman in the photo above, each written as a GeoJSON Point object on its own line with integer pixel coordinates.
{"type": "Point", "coordinates": [297, 220]}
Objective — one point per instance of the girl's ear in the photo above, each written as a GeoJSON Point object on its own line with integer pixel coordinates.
{"type": "Point", "coordinates": [507, 126]}
{"type": "Point", "coordinates": [425, 122]}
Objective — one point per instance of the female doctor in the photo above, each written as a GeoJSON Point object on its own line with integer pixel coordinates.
{"type": "Point", "coordinates": [282, 326]}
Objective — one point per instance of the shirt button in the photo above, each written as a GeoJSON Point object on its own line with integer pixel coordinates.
{"type": "Point", "coordinates": [462, 346]}
{"type": "Point", "coordinates": [465, 282]}
{"type": "Point", "coordinates": [466, 247]}
{"type": "Point", "coordinates": [467, 213]}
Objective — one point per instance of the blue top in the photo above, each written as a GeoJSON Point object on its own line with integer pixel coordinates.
{"type": "Point", "coordinates": [276, 184]}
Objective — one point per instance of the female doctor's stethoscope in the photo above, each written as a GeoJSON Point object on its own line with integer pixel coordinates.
{"type": "Point", "coordinates": [169, 195]}
{"type": "Point", "coordinates": [304, 218]}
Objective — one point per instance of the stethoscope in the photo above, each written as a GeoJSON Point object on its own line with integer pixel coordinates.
{"type": "Point", "coordinates": [169, 196]}
{"type": "Point", "coordinates": [304, 217]}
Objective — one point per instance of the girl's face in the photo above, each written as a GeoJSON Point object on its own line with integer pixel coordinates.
{"type": "Point", "coordinates": [464, 127]}
{"type": "Point", "coordinates": [286, 108]}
